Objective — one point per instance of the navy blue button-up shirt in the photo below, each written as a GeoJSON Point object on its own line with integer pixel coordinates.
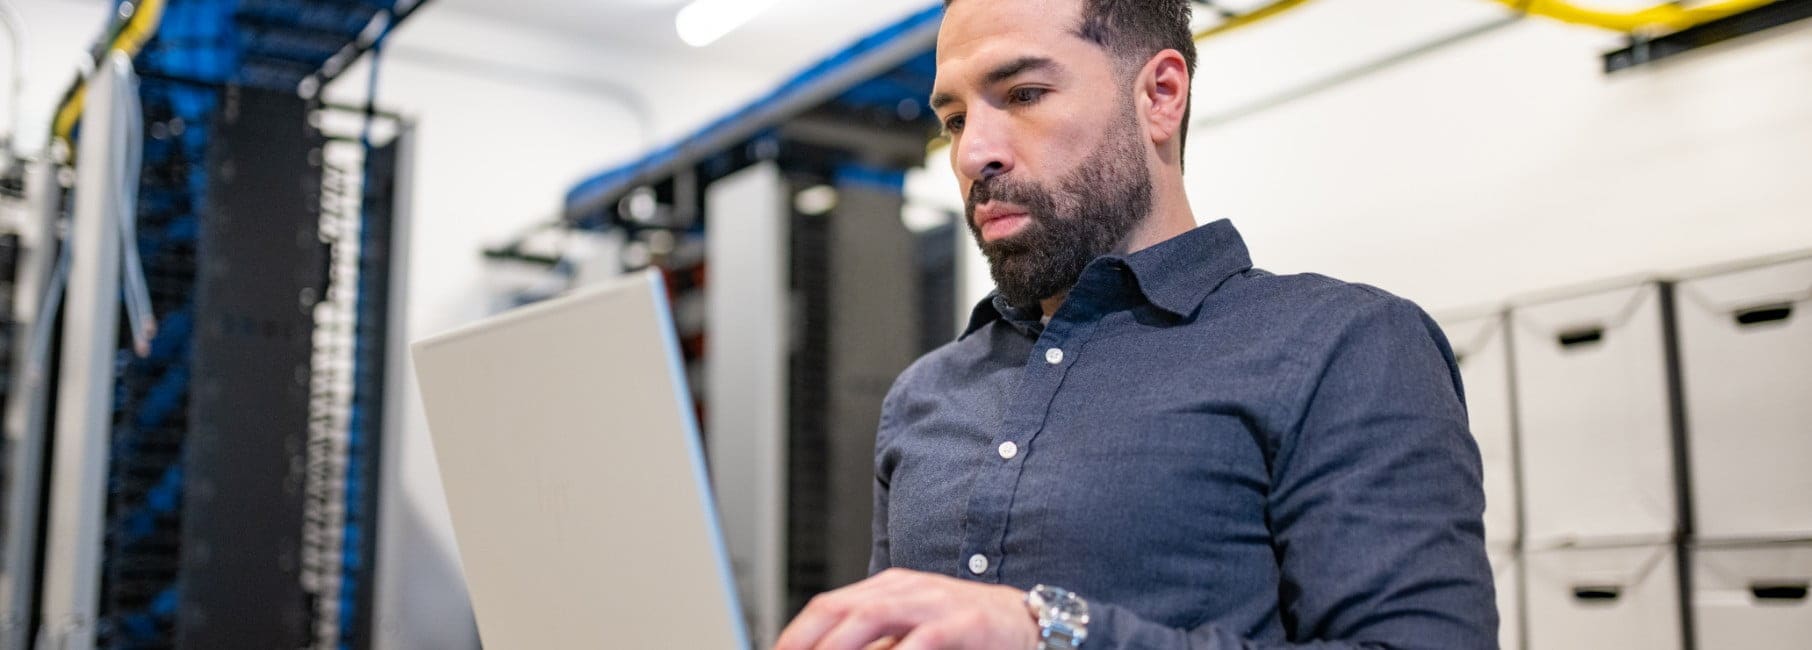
{"type": "Point", "coordinates": [1211, 455]}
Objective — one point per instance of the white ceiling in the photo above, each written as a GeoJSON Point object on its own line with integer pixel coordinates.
{"type": "Point", "coordinates": [795, 33]}
{"type": "Point", "coordinates": [1238, 69]}
{"type": "Point", "coordinates": [789, 33]}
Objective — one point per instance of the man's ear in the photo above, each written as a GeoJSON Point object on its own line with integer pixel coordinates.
{"type": "Point", "coordinates": [1164, 87]}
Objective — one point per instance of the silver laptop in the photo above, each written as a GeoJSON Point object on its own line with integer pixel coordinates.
{"type": "Point", "coordinates": [574, 473]}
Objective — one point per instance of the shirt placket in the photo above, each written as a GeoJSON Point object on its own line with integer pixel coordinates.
{"type": "Point", "coordinates": [990, 505]}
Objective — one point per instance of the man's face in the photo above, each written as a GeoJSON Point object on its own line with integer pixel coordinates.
{"type": "Point", "coordinates": [1046, 141]}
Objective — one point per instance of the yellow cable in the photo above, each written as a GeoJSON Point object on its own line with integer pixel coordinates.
{"type": "Point", "coordinates": [1253, 16]}
{"type": "Point", "coordinates": [130, 39]}
{"type": "Point", "coordinates": [66, 116]}
{"type": "Point", "coordinates": [1667, 17]}
{"type": "Point", "coordinates": [141, 27]}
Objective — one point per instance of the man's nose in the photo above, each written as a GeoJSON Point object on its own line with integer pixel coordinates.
{"type": "Point", "coordinates": [984, 150]}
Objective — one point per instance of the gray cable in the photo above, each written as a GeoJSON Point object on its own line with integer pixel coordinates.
{"type": "Point", "coordinates": [128, 129]}
{"type": "Point", "coordinates": [41, 335]}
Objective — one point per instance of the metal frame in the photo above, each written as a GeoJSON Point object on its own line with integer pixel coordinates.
{"type": "Point", "coordinates": [747, 310]}
{"type": "Point", "coordinates": [387, 601]}
{"type": "Point", "coordinates": [1676, 397]}
{"type": "Point", "coordinates": [370, 40]}
{"type": "Point", "coordinates": [27, 405]}
{"type": "Point", "coordinates": [243, 511]}
{"type": "Point", "coordinates": [1643, 51]}
{"type": "Point", "coordinates": [84, 415]}
{"type": "Point", "coordinates": [381, 275]}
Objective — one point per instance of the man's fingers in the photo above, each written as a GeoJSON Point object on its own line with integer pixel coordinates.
{"type": "Point", "coordinates": [826, 611]}
{"type": "Point", "coordinates": [883, 644]}
{"type": "Point", "coordinates": [943, 634]}
{"type": "Point", "coordinates": [818, 617]}
{"type": "Point", "coordinates": [863, 626]}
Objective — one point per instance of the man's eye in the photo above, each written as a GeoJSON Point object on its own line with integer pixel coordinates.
{"type": "Point", "coordinates": [953, 124]}
{"type": "Point", "coordinates": [1025, 95]}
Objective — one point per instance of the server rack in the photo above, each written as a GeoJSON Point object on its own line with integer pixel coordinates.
{"type": "Point", "coordinates": [242, 445]}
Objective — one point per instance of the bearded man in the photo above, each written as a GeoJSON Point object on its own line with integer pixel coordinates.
{"type": "Point", "coordinates": [1140, 440]}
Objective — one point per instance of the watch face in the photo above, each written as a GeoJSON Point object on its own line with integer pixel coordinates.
{"type": "Point", "coordinates": [1058, 606]}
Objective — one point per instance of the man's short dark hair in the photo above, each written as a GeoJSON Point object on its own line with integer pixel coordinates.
{"type": "Point", "coordinates": [1133, 31]}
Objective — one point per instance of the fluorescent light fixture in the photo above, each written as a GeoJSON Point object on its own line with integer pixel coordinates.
{"type": "Point", "coordinates": [704, 21]}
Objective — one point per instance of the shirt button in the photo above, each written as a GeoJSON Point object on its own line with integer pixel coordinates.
{"type": "Point", "coordinates": [1054, 356]}
{"type": "Point", "coordinates": [1008, 450]}
{"type": "Point", "coordinates": [978, 564]}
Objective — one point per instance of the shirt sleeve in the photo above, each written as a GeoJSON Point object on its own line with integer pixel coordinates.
{"type": "Point", "coordinates": [879, 555]}
{"type": "Point", "coordinates": [1376, 506]}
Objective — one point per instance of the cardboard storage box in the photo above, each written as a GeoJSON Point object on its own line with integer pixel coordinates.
{"type": "Point", "coordinates": [1604, 599]}
{"type": "Point", "coordinates": [1746, 367]}
{"type": "Point", "coordinates": [1752, 597]}
{"type": "Point", "coordinates": [1596, 439]}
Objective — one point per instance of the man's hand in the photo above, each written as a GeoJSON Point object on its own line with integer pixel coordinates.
{"type": "Point", "coordinates": [923, 611]}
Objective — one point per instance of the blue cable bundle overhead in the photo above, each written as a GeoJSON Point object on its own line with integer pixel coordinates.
{"type": "Point", "coordinates": [890, 70]}
{"type": "Point", "coordinates": [196, 40]}
{"type": "Point", "coordinates": [902, 90]}
{"type": "Point", "coordinates": [284, 42]}
{"type": "Point", "coordinates": [273, 44]}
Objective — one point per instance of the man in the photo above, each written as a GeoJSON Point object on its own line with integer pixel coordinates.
{"type": "Point", "coordinates": [1141, 441]}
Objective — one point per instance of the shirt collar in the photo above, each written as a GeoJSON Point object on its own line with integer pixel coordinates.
{"type": "Point", "coordinates": [1175, 275]}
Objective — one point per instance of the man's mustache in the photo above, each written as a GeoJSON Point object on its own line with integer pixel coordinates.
{"type": "Point", "coordinates": [997, 189]}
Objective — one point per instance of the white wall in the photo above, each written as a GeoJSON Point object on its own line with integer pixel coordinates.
{"type": "Point", "coordinates": [1503, 165]}
{"type": "Point", "coordinates": [57, 36]}
{"type": "Point", "coordinates": [1511, 163]}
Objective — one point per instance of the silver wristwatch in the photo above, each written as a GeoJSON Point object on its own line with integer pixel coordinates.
{"type": "Point", "coordinates": [1062, 617]}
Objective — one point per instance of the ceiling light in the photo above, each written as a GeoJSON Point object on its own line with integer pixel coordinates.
{"type": "Point", "coordinates": [705, 21]}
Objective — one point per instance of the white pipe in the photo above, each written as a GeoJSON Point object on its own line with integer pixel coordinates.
{"type": "Point", "coordinates": [85, 385]}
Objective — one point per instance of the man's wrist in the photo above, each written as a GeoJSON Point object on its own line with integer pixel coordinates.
{"type": "Point", "coordinates": [1061, 617]}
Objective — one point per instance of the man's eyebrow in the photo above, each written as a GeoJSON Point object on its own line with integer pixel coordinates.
{"type": "Point", "coordinates": [1018, 67]}
{"type": "Point", "coordinates": [941, 100]}
{"type": "Point", "coordinates": [999, 74]}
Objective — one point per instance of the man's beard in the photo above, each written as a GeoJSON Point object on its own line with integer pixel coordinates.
{"type": "Point", "coordinates": [1089, 214]}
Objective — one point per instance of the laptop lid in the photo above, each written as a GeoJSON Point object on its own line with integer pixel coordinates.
{"type": "Point", "coordinates": [575, 477]}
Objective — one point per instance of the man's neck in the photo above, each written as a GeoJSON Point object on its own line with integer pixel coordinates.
{"type": "Point", "coordinates": [1050, 305]}
{"type": "Point", "coordinates": [1170, 215]}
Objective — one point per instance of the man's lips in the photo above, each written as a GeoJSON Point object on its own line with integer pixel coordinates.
{"type": "Point", "coordinates": [997, 221]}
